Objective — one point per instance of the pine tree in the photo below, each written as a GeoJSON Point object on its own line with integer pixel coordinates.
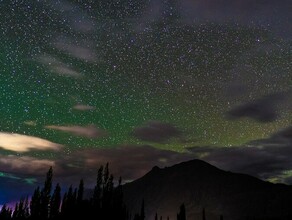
{"type": "Point", "coordinates": [64, 207]}
{"type": "Point", "coordinates": [26, 208]}
{"type": "Point", "coordinates": [203, 214]}
{"type": "Point", "coordinates": [80, 192]}
{"type": "Point", "coordinates": [98, 189]}
{"type": "Point", "coordinates": [182, 213]}
{"type": "Point", "coordinates": [105, 176]}
{"type": "Point", "coordinates": [46, 195]}
{"type": "Point", "coordinates": [118, 204]}
{"type": "Point", "coordinates": [5, 213]}
{"type": "Point", "coordinates": [55, 202]}
{"type": "Point", "coordinates": [137, 217]}
{"type": "Point", "coordinates": [142, 212]}
{"type": "Point", "coordinates": [15, 214]}
{"type": "Point", "coordinates": [71, 198]}
{"type": "Point", "coordinates": [21, 210]}
{"type": "Point", "coordinates": [35, 204]}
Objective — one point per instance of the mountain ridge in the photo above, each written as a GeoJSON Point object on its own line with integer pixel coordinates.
{"type": "Point", "coordinates": [200, 185]}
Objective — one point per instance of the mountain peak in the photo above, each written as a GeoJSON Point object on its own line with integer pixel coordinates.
{"type": "Point", "coordinates": [198, 185]}
{"type": "Point", "coordinates": [155, 168]}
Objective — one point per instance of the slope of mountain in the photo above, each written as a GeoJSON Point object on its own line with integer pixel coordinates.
{"type": "Point", "coordinates": [200, 185]}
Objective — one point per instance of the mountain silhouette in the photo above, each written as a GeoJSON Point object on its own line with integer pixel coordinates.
{"type": "Point", "coordinates": [200, 185]}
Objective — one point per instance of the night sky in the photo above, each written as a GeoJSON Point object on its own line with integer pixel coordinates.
{"type": "Point", "coordinates": [143, 83]}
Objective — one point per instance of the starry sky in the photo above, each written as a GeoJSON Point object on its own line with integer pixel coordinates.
{"type": "Point", "coordinates": [143, 83]}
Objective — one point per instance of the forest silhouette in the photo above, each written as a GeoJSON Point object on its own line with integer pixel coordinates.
{"type": "Point", "coordinates": [105, 203]}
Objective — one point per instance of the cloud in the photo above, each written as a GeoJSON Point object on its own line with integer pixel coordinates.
{"type": "Point", "coordinates": [58, 66]}
{"type": "Point", "coordinates": [19, 175]}
{"type": "Point", "coordinates": [78, 19]}
{"type": "Point", "coordinates": [80, 52]}
{"type": "Point", "coordinates": [89, 131]}
{"type": "Point", "coordinates": [66, 71]}
{"type": "Point", "coordinates": [283, 137]}
{"type": "Point", "coordinates": [30, 123]}
{"type": "Point", "coordinates": [81, 107]}
{"type": "Point", "coordinates": [128, 161]}
{"type": "Point", "coordinates": [262, 110]}
{"type": "Point", "coordinates": [25, 164]}
{"type": "Point", "coordinates": [23, 143]}
{"type": "Point", "coordinates": [156, 131]}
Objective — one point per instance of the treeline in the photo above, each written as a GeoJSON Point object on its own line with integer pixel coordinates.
{"type": "Point", "coordinates": [106, 203]}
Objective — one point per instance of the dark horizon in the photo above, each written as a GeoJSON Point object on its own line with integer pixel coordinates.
{"type": "Point", "coordinates": [158, 194]}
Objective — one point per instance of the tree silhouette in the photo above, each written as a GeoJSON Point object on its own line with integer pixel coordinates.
{"type": "Point", "coordinates": [105, 204]}
{"type": "Point", "coordinates": [98, 189]}
{"type": "Point", "coordinates": [55, 202]}
{"type": "Point", "coordinates": [142, 212]}
{"type": "Point", "coordinates": [5, 213]}
{"type": "Point", "coordinates": [35, 204]}
{"type": "Point", "coordinates": [80, 192]}
{"type": "Point", "coordinates": [203, 214]}
{"type": "Point", "coordinates": [182, 213]}
{"type": "Point", "coordinates": [46, 195]}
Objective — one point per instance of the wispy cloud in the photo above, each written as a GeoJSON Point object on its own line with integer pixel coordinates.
{"type": "Point", "coordinates": [24, 143]}
{"type": "Point", "coordinates": [30, 123]}
{"type": "Point", "coordinates": [81, 107]}
{"type": "Point", "coordinates": [77, 18]}
{"type": "Point", "coordinates": [66, 71]}
{"type": "Point", "coordinates": [58, 66]}
{"type": "Point", "coordinates": [82, 52]}
{"type": "Point", "coordinates": [89, 131]}
{"type": "Point", "coordinates": [156, 131]}
{"type": "Point", "coordinates": [25, 164]}
{"type": "Point", "coordinates": [264, 109]}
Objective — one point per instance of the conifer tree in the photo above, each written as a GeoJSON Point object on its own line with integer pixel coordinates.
{"type": "Point", "coordinates": [105, 176]}
{"type": "Point", "coordinates": [118, 204]}
{"type": "Point", "coordinates": [182, 213]}
{"type": "Point", "coordinates": [71, 198]}
{"type": "Point", "coordinates": [142, 212]}
{"type": "Point", "coordinates": [5, 213]}
{"type": "Point", "coordinates": [64, 206]}
{"type": "Point", "coordinates": [46, 195]}
{"type": "Point", "coordinates": [55, 202]}
{"type": "Point", "coordinates": [203, 214]}
{"type": "Point", "coordinates": [35, 204]}
{"type": "Point", "coordinates": [80, 192]}
{"type": "Point", "coordinates": [98, 188]}
{"type": "Point", "coordinates": [21, 209]}
{"type": "Point", "coordinates": [15, 214]}
{"type": "Point", "coordinates": [136, 217]}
